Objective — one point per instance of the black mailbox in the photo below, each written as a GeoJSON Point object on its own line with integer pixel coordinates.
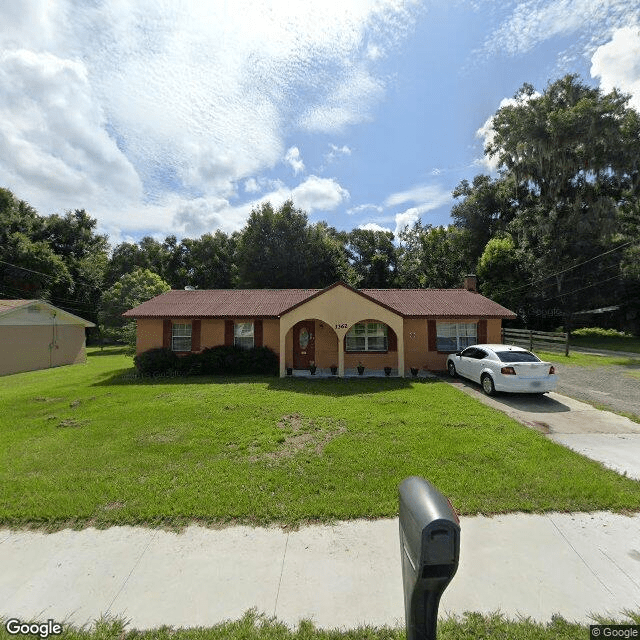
{"type": "Point", "coordinates": [430, 550]}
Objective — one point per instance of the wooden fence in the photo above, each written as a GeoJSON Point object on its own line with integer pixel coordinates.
{"type": "Point", "coordinates": [532, 340]}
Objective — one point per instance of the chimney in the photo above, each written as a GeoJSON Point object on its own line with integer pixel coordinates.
{"type": "Point", "coordinates": [470, 282]}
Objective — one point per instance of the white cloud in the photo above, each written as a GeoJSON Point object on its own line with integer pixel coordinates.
{"type": "Point", "coordinates": [337, 152]}
{"type": "Point", "coordinates": [295, 161]}
{"type": "Point", "coordinates": [131, 105]}
{"type": "Point", "coordinates": [52, 134]}
{"type": "Point", "coordinates": [364, 207]}
{"type": "Point", "coordinates": [425, 195]}
{"type": "Point", "coordinates": [406, 218]}
{"type": "Point", "coordinates": [372, 226]}
{"type": "Point", "coordinates": [617, 63]}
{"type": "Point", "coordinates": [193, 217]}
{"type": "Point", "coordinates": [315, 193]}
{"type": "Point", "coordinates": [251, 185]}
{"type": "Point", "coordinates": [535, 21]}
{"type": "Point", "coordinates": [346, 104]}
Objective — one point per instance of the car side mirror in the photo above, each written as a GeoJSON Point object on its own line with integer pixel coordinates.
{"type": "Point", "coordinates": [458, 353]}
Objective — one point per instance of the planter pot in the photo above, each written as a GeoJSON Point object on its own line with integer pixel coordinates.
{"type": "Point", "coordinates": [360, 370]}
{"type": "Point", "coordinates": [289, 371]}
{"type": "Point", "coordinates": [414, 372]}
{"type": "Point", "coordinates": [312, 370]}
{"type": "Point", "coordinates": [387, 371]}
{"type": "Point", "coordinates": [334, 371]}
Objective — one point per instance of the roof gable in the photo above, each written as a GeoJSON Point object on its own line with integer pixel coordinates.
{"type": "Point", "coordinates": [358, 292]}
{"type": "Point", "coordinates": [34, 312]}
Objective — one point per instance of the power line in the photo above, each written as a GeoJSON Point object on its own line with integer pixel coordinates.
{"type": "Point", "coordinates": [575, 266]}
{"type": "Point", "coordinates": [26, 269]}
{"type": "Point", "coordinates": [568, 293]}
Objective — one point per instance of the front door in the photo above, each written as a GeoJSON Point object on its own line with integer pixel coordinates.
{"type": "Point", "coordinates": [303, 344]}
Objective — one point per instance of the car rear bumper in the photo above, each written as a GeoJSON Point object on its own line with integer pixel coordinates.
{"type": "Point", "coordinates": [514, 384]}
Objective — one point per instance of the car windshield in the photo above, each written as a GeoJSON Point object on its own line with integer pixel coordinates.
{"type": "Point", "coordinates": [517, 356]}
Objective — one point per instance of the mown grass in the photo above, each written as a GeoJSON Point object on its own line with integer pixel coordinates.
{"type": "Point", "coordinates": [83, 447]}
{"type": "Point", "coordinates": [253, 626]}
{"type": "Point", "coordinates": [609, 343]}
{"type": "Point", "coordinates": [576, 358]}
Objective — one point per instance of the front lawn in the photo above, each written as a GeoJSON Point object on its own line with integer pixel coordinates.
{"type": "Point", "coordinates": [575, 358]}
{"type": "Point", "coordinates": [82, 446]}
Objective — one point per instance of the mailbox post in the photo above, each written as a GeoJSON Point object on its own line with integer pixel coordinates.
{"type": "Point", "coordinates": [430, 550]}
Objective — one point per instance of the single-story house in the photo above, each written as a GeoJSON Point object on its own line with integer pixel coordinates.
{"type": "Point", "coordinates": [338, 325]}
{"type": "Point", "coordinates": [36, 335]}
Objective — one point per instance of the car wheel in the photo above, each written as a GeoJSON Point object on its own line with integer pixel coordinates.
{"type": "Point", "coordinates": [452, 369]}
{"type": "Point", "coordinates": [487, 384]}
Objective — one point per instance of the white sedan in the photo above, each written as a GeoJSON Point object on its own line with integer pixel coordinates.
{"type": "Point", "coordinates": [500, 367]}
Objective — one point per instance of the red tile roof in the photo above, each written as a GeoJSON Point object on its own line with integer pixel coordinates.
{"type": "Point", "coordinates": [438, 302]}
{"type": "Point", "coordinates": [236, 303]}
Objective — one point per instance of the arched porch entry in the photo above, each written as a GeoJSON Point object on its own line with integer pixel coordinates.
{"type": "Point", "coordinates": [319, 326]}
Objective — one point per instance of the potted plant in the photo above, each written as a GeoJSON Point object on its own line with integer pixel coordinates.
{"type": "Point", "coordinates": [414, 371]}
{"type": "Point", "coordinates": [360, 368]}
{"type": "Point", "coordinates": [312, 367]}
{"type": "Point", "coordinates": [387, 371]}
{"type": "Point", "coordinates": [334, 369]}
{"type": "Point", "coordinates": [289, 371]}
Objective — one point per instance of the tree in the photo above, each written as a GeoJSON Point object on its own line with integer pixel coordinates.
{"type": "Point", "coordinates": [573, 156]}
{"type": "Point", "coordinates": [85, 254]}
{"type": "Point", "coordinates": [208, 260]}
{"type": "Point", "coordinates": [502, 275]}
{"type": "Point", "coordinates": [486, 209]}
{"type": "Point", "coordinates": [433, 257]}
{"type": "Point", "coordinates": [29, 268]}
{"type": "Point", "coordinates": [131, 290]}
{"type": "Point", "coordinates": [373, 257]}
{"type": "Point", "coordinates": [280, 250]}
{"type": "Point", "coordinates": [147, 254]}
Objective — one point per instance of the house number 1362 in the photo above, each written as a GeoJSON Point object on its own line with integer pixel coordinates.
{"type": "Point", "coordinates": [344, 325]}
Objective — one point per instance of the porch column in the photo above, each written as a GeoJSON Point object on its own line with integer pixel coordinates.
{"type": "Point", "coordinates": [341, 356]}
{"type": "Point", "coordinates": [282, 356]}
{"type": "Point", "coordinates": [400, 338]}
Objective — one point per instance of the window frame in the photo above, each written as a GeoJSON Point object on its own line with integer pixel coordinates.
{"type": "Point", "coordinates": [236, 337]}
{"type": "Point", "coordinates": [355, 334]}
{"type": "Point", "coordinates": [462, 339]}
{"type": "Point", "coordinates": [177, 336]}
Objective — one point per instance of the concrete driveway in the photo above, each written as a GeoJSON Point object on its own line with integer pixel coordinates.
{"type": "Point", "coordinates": [606, 437]}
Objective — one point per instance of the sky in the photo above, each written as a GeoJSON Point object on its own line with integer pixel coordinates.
{"type": "Point", "coordinates": [179, 117]}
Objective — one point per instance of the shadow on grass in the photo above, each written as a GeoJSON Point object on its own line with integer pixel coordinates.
{"type": "Point", "coordinates": [306, 386]}
{"type": "Point", "coordinates": [92, 352]}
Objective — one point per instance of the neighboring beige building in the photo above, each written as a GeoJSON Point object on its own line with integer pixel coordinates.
{"type": "Point", "coordinates": [337, 326]}
{"type": "Point", "coordinates": [36, 335]}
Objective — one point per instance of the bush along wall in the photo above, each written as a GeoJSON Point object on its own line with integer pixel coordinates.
{"type": "Point", "coordinates": [221, 360]}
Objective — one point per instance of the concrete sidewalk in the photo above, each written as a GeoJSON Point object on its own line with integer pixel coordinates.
{"type": "Point", "coordinates": [339, 576]}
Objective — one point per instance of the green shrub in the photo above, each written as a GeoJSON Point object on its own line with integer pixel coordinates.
{"type": "Point", "coordinates": [593, 332]}
{"type": "Point", "coordinates": [262, 360]}
{"type": "Point", "coordinates": [220, 360]}
{"type": "Point", "coordinates": [156, 361]}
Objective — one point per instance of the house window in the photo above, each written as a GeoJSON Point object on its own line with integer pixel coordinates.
{"type": "Point", "coordinates": [181, 337]}
{"type": "Point", "coordinates": [454, 336]}
{"type": "Point", "coordinates": [243, 334]}
{"type": "Point", "coordinates": [367, 336]}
